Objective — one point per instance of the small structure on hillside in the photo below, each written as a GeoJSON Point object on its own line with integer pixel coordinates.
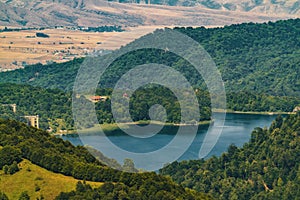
{"type": "Point", "coordinates": [125, 96]}
{"type": "Point", "coordinates": [13, 106]}
{"type": "Point", "coordinates": [33, 121]}
{"type": "Point", "coordinates": [98, 98]}
{"type": "Point", "coordinates": [296, 109]}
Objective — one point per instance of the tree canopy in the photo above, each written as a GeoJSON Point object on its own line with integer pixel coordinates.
{"type": "Point", "coordinates": [259, 58]}
{"type": "Point", "coordinates": [267, 167]}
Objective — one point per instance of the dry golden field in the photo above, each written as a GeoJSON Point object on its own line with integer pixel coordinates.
{"type": "Point", "coordinates": [18, 49]}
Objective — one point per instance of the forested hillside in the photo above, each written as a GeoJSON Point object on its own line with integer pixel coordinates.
{"type": "Point", "coordinates": [54, 76]}
{"type": "Point", "coordinates": [255, 102]}
{"type": "Point", "coordinates": [267, 167]}
{"type": "Point", "coordinates": [259, 64]}
{"type": "Point", "coordinates": [19, 142]}
{"type": "Point", "coordinates": [54, 106]}
{"type": "Point", "coordinates": [257, 58]}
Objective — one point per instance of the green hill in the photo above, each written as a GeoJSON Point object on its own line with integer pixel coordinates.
{"type": "Point", "coordinates": [38, 182]}
{"type": "Point", "coordinates": [267, 167]}
{"type": "Point", "coordinates": [20, 142]}
{"type": "Point", "coordinates": [257, 58]}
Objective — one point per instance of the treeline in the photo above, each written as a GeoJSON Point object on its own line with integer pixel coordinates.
{"type": "Point", "coordinates": [54, 106]}
{"type": "Point", "coordinates": [267, 167]}
{"type": "Point", "coordinates": [256, 58]}
{"type": "Point", "coordinates": [6, 29]}
{"type": "Point", "coordinates": [247, 101]}
{"type": "Point", "coordinates": [122, 191]}
{"type": "Point", "coordinates": [102, 29]}
{"type": "Point", "coordinates": [57, 155]}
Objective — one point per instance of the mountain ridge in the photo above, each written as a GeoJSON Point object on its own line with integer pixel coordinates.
{"type": "Point", "coordinates": [261, 6]}
{"type": "Point", "coordinates": [96, 13]}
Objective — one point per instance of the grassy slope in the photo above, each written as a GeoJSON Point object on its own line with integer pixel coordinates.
{"type": "Point", "coordinates": [51, 184]}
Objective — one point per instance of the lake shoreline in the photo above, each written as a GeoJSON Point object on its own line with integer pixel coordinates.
{"type": "Point", "coordinates": [237, 131]}
{"type": "Point", "coordinates": [254, 112]}
{"type": "Point", "coordinates": [114, 126]}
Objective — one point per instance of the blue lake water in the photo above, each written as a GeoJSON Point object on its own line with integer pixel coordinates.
{"type": "Point", "coordinates": [237, 130]}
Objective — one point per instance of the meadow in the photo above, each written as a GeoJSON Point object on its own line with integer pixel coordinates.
{"type": "Point", "coordinates": [37, 182]}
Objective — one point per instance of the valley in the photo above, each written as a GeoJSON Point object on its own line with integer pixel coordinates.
{"type": "Point", "coordinates": [73, 127]}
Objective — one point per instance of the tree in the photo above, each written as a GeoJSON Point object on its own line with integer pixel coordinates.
{"type": "Point", "coordinates": [3, 196]}
{"type": "Point", "coordinates": [42, 35]}
{"type": "Point", "coordinates": [277, 123]}
{"type": "Point", "coordinates": [80, 187]}
{"type": "Point", "coordinates": [13, 168]}
{"type": "Point", "coordinates": [128, 165]}
{"type": "Point", "coordinates": [9, 154]}
{"type": "Point", "coordinates": [24, 196]}
{"type": "Point", "coordinates": [5, 169]}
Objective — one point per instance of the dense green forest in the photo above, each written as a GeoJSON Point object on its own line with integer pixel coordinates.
{"type": "Point", "coordinates": [267, 167]}
{"type": "Point", "coordinates": [54, 106]}
{"type": "Point", "coordinates": [54, 76]}
{"type": "Point", "coordinates": [143, 98]}
{"type": "Point", "coordinates": [19, 141]}
{"type": "Point", "coordinates": [256, 58]}
{"type": "Point", "coordinates": [255, 102]}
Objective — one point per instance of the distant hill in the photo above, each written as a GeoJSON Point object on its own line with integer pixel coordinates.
{"type": "Point", "coordinates": [259, 6]}
{"type": "Point", "coordinates": [267, 167]}
{"type": "Point", "coordinates": [34, 13]}
{"type": "Point", "coordinates": [257, 58]}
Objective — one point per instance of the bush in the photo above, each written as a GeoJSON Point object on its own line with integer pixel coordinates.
{"type": "Point", "coordinates": [43, 35]}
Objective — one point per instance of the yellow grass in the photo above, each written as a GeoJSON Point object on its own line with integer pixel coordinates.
{"type": "Point", "coordinates": [51, 184]}
{"type": "Point", "coordinates": [62, 45]}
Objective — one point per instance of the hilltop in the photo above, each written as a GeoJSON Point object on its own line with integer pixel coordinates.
{"type": "Point", "coordinates": [257, 6]}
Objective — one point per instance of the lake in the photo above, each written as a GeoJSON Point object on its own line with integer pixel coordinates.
{"type": "Point", "coordinates": [237, 130]}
